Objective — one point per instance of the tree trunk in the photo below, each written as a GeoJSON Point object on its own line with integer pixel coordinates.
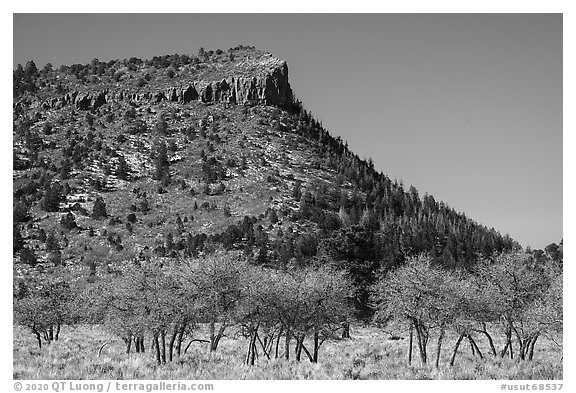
{"type": "Point", "coordinates": [163, 341]}
{"type": "Point", "coordinates": [346, 329]}
{"type": "Point", "coordinates": [254, 349]}
{"type": "Point", "coordinates": [528, 345]}
{"type": "Point", "coordinates": [218, 337]}
{"type": "Point", "coordinates": [128, 341]}
{"type": "Point", "coordinates": [310, 357]}
{"type": "Point", "coordinates": [264, 346]}
{"type": "Point", "coordinates": [422, 341]}
{"type": "Point", "coordinates": [136, 345]}
{"type": "Point", "coordinates": [37, 334]}
{"type": "Point", "coordinates": [180, 338]}
{"type": "Point", "coordinates": [456, 350]}
{"type": "Point", "coordinates": [410, 343]}
{"type": "Point", "coordinates": [439, 347]}
{"type": "Point", "coordinates": [508, 344]}
{"type": "Point", "coordinates": [490, 341]}
{"type": "Point", "coordinates": [509, 338]}
{"type": "Point", "coordinates": [287, 344]}
{"type": "Point", "coordinates": [142, 349]}
{"type": "Point", "coordinates": [194, 340]}
{"type": "Point", "coordinates": [57, 335]}
{"type": "Point", "coordinates": [278, 343]}
{"type": "Point", "coordinates": [521, 344]}
{"type": "Point", "coordinates": [51, 333]}
{"type": "Point", "coordinates": [249, 351]}
{"type": "Point", "coordinates": [316, 347]}
{"type": "Point", "coordinates": [251, 355]}
{"type": "Point", "coordinates": [212, 337]}
{"type": "Point", "coordinates": [474, 346]}
{"type": "Point", "coordinates": [525, 347]}
{"type": "Point", "coordinates": [171, 344]}
{"type": "Point", "coordinates": [504, 350]}
{"type": "Point", "coordinates": [532, 344]}
{"type": "Point", "coordinates": [157, 344]}
{"type": "Point", "coordinates": [298, 348]}
{"type": "Point", "coordinates": [269, 344]}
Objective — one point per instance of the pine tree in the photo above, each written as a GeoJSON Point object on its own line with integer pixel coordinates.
{"type": "Point", "coordinates": [52, 242]}
{"type": "Point", "coordinates": [65, 168]}
{"type": "Point", "coordinates": [273, 216]}
{"type": "Point", "coordinates": [161, 126]}
{"type": "Point", "coordinates": [17, 240]}
{"type": "Point", "coordinates": [68, 221]}
{"type": "Point", "coordinates": [42, 235]}
{"type": "Point", "coordinates": [123, 169]}
{"type": "Point", "coordinates": [30, 70]}
{"type": "Point", "coordinates": [21, 211]}
{"type": "Point", "coordinates": [28, 256]}
{"type": "Point", "coordinates": [344, 217]}
{"type": "Point", "coordinates": [99, 209]}
{"type": "Point", "coordinates": [169, 241]}
{"type": "Point", "coordinates": [52, 198]}
{"type": "Point", "coordinates": [55, 257]}
{"type": "Point", "coordinates": [296, 191]}
{"type": "Point", "coordinates": [179, 225]}
{"type": "Point", "coordinates": [161, 163]}
{"type": "Point", "coordinates": [263, 255]}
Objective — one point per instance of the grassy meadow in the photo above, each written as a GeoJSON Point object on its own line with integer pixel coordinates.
{"type": "Point", "coordinates": [370, 354]}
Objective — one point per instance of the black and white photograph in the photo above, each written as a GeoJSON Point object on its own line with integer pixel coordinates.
{"type": "Point", "coordinates": [200, 197]}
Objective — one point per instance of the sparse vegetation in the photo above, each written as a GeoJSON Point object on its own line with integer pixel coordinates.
{"type": "Point", "coordinates": [370, 354]}
{"type": "Point", "coordinates": [163, 231]}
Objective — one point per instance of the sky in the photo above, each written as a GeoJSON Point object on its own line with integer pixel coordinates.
{"type": "Point", "coordinates": [465, 107]}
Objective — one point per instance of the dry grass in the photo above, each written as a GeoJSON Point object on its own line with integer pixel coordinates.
{"type": "Point", "coordinates": [368, 355]}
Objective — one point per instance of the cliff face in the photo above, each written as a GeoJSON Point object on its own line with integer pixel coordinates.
{"type": "Point", "coordinates": [270, 88]}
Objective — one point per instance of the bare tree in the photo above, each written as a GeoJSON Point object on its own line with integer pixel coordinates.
{"type": "Point", "coordinates": [420, 294]}
{"type": "Point", "coordinates": [517, 282]}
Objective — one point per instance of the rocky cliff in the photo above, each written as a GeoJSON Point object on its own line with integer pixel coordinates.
{"type": "Point", "coordinates": [266, 84]}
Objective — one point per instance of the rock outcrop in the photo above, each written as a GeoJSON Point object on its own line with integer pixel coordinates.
{"type": "Point", "coordinates": [270, 88]}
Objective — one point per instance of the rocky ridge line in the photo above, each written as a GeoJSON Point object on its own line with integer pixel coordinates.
{"type": "Point", "coordinates": [270, 88]}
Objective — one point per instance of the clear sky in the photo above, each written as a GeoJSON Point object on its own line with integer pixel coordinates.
{"type": "Point", "coordinates": [466, 107]}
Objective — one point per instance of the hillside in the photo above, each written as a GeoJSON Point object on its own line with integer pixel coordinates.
{"type": "Point", "coordinates": [182, 155]}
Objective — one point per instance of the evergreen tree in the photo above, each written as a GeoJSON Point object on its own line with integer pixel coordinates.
{"type": "Point", "coordinates": [99, 209]}
{"type": "Point", "coordinates": [68, 221]}
{"type": "Point", "coordinates": [263, 255]}
{"type": "Point", "coordinates": [179, 225]}
{"type": "Point", "coordinates": [161, 126]}
{"type": "Point", "coordinates": [344, 217]}
{"type": "Point", "coordinates": [273, 216]}
{"type": "Point", "coordinates": [21, 210]}
{"type": "Point", "coordinates": [28, 256]}
{"type": "Point", "coordinates": [30, 70]}
{"type": "Point", "coordinates": [17, 240]}
{"type": "Point", "coordinates": [55, 257]}
{"type": "Point", "coordinates": [296, 191]}
{"type": "Point", "coordinates": [123, 169]}
{"type": "Point", "coordinates": [53, 196]}
{"type": "Point", "coordinates": [161, 163]}
{"type": "Point", "coordinates": [42, 235]}
{"type": "Point", "coordinates": [169, 241]}
{"type": "Point", "coordinates": [52, 242]}
{"type": "Point", "coordinates": [65, 169]}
